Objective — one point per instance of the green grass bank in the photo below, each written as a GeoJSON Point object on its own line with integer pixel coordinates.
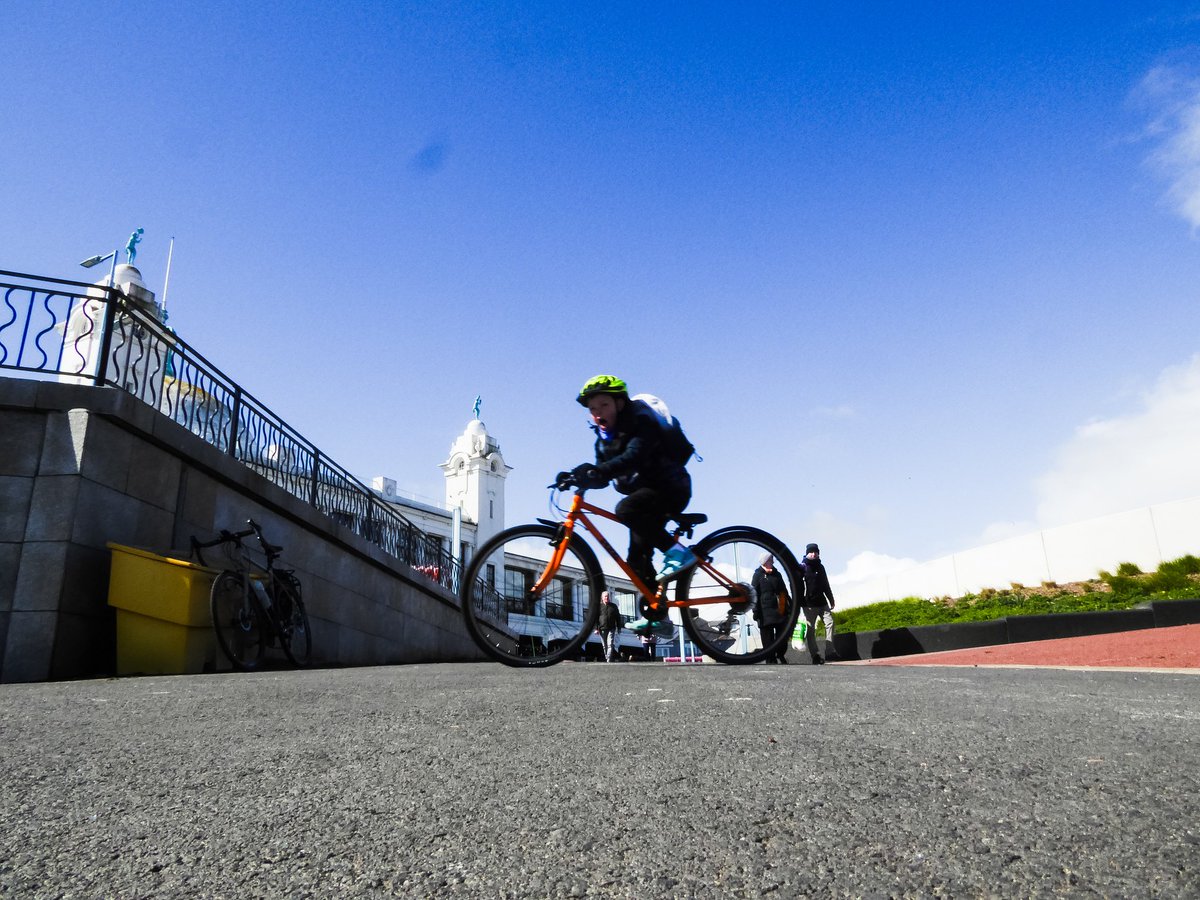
{"type": "Point", "coordinates": [1124, 588]}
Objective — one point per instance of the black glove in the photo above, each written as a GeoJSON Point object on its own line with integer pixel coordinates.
{"type": "Point", "coordinates": [588, 476]}
{"type": "Point", "coordinates": [562, 481]}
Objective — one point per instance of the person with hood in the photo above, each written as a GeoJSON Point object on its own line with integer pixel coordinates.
{"type": "Point", "coordinates": [817, 604]}
{"type": "Point", "coordinates": [633, 451]}
{"type": "Point", "coordinates": [608, 626]}
{"type": "Point", "coordinates": [770, 601]}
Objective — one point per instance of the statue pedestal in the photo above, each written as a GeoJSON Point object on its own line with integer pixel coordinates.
{"type": "Point", "coordinates": [137, 357]}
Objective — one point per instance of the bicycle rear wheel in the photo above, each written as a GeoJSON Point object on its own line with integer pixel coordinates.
{"type": "Point", "coordinates": [720, 617]}
{"type": "Point", "coordinates": [523, 610]}
{"type": "Point", "coordinates": [237, 620]}
{"type": "Point", "coordinates": [291, 619]}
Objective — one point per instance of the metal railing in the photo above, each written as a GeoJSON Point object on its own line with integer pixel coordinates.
{"type": "Point", "coordinates": [87, 334]}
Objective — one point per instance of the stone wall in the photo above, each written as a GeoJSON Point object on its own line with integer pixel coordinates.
{"type": "Point", "coordinates": [81, 466]}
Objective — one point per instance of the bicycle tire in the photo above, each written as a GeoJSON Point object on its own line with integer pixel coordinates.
{"type": "Point", "coordinates": [723, 630]}
{"type": "Point", "coordinates": [518, 626]}
{"type": "Point", "coordinates": [291, 619]}
{"type": "Point", "coordinates": [237, 619]}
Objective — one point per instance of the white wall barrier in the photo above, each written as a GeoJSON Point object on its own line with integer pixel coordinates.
{"type": "Point", "coordinates": [1077, 552]}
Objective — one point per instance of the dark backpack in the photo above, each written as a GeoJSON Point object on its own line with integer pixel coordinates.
{"type": "Point", "coordinates": [676, 446]}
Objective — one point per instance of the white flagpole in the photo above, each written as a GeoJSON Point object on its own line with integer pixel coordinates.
{"type": "Point", "coordinates": [167, 277]}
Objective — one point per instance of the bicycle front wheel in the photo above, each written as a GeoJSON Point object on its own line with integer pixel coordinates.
{"type": "Point", "coordinates": [291, 619]}
{"type": "Point", "coordinates": [530, 596]}
{"type": "Point", "coordinates": [720, 611]}
{"type": "Point", "coordinates": [237, 620]}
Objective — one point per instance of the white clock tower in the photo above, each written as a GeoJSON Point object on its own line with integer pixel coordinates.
{"type": "Point", "coordinates": [475, 474]}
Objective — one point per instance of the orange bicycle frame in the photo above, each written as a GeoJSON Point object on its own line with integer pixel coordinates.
{"type": "Point", "coordinates": [656, 598]}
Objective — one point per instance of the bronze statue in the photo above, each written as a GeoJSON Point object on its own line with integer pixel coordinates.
{"type": "Point", "coordinates": [131, 247]}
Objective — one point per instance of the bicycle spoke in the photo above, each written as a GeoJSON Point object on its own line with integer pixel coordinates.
{"type": "Point", "coordinates": [513, 622]}
{"type": "Point", "coordinates": [237, 620]}
{"type": "Point", "coordinates": [291, 619]}
{"type": "Point", "coordinates": [723, 616]}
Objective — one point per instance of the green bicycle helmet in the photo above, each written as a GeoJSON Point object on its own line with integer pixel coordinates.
{"type": "Point", "coordinates": [602, 384]}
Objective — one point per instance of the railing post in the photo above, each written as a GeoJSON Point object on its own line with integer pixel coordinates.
{"type": "Point", "coordinates": [110, 317]}
{"type": "Point", "coordinates": [316, 478]}
{"type": "Point", "coordinates": [235, 421]}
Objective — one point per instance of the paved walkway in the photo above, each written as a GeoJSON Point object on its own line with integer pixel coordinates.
{"type": "Point", "coordinates": [1161, 649]}
{"type": "Point", "coordinates": [605, 781]}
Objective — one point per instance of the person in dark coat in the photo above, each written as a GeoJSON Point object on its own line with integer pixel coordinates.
{"type": "Point", "coordinates": [817, 604]}
{"type": "Point", "coordinates": [608, 626]}
{"type": "Point", "coordinates": [768, 586]}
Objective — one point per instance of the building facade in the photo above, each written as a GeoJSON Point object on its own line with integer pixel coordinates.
{"type": "Point", "coordinates": [473, 512]}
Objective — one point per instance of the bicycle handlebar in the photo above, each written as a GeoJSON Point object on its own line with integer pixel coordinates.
{"type": "Point", "coordinates": [225, 536]}
{"type": "Point", "coordinates": [567, 484]}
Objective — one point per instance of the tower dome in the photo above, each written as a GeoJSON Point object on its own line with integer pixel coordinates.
{"type": "Point", "coordinates": [475, 473]}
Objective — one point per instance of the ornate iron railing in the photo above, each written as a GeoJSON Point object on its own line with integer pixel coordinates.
{"type": "Point", "coordinates": [85, 334]}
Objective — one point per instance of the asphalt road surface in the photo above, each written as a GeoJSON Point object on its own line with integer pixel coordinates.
{"type": "Point", "coordinates": [595, 780]}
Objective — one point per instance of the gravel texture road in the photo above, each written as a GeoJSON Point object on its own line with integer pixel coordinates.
{"type": "Point", "coordinates": [595, 780]}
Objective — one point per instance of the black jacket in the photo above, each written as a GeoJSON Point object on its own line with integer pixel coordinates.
{"type": "Point", "coordinates": [767, 588]}
{"type": "Point", "coordinates": [634, 456]}
{"type": "Point", "coordinates": [817, 591]}
{"type": "Point", "coordinates": [610, 618]}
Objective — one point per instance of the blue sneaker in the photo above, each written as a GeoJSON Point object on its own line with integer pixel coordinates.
{"type": "Point", "coordinates": [677, 561]}
{"type": "Point", "coordinates": [664, 629]}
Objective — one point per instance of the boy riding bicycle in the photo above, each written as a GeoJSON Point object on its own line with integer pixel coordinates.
{"type": "Point", "coordinates": [632, 451]}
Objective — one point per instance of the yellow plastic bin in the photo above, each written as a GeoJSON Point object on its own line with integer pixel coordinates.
{"type": "Point", "coordinates": [164, 626]}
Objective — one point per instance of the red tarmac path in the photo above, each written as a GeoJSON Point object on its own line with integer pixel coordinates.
{"type": "Point", "coordinates": [1161, 649]}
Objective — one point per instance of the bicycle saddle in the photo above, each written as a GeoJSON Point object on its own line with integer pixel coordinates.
{"type": "Point", "coordinates": [691, 520]}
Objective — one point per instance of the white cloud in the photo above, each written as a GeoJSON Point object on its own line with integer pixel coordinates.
{"type": "Point", "coordinates": [870, 564]}
{"type": "Point", "coordinates": [1144, 457]}
{"type": "Point", "coordinates": [1172, 95]}
{"type": "Point", "coordinates": [832, 530]}
{"type": "Point", "coordinates": [1000, 531]}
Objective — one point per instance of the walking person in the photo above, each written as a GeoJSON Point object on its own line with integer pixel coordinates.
{"type": "Point", "coordinates": [608, 626]}
{"type": "Point", "coordinates": [817, 604]}
{"type": "Point", "coordinates": [650, 643]}
{"type": "Point", "coordinates": [770, 602]}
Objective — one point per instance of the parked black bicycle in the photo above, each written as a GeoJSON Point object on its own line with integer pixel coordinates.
{"type": "Point", "coordinates": [254, 605]}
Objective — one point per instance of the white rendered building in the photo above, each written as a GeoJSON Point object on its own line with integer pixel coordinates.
{"type": "Point", "coordinates": [473, 513]}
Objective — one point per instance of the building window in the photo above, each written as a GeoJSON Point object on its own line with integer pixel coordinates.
{"type": "Point", "coordinates": [517, 583]}
{"type": "Point", "coordinates": [626, 603]}
{"type": "Point", "coordinates": [560, 600]}
{"type": "Point", "coordinates": [491, 509]}
{"type": "Point", "coordinates": [491, 575]}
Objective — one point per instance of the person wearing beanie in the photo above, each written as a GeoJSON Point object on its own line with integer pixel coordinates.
{"type": "Point", "coordinates": [770, 599]}
{"type": "Point", "coordinates": [817, 604]}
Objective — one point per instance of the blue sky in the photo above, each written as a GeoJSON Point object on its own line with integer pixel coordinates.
{"type": "Point", "coordinates": [914, 276]}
